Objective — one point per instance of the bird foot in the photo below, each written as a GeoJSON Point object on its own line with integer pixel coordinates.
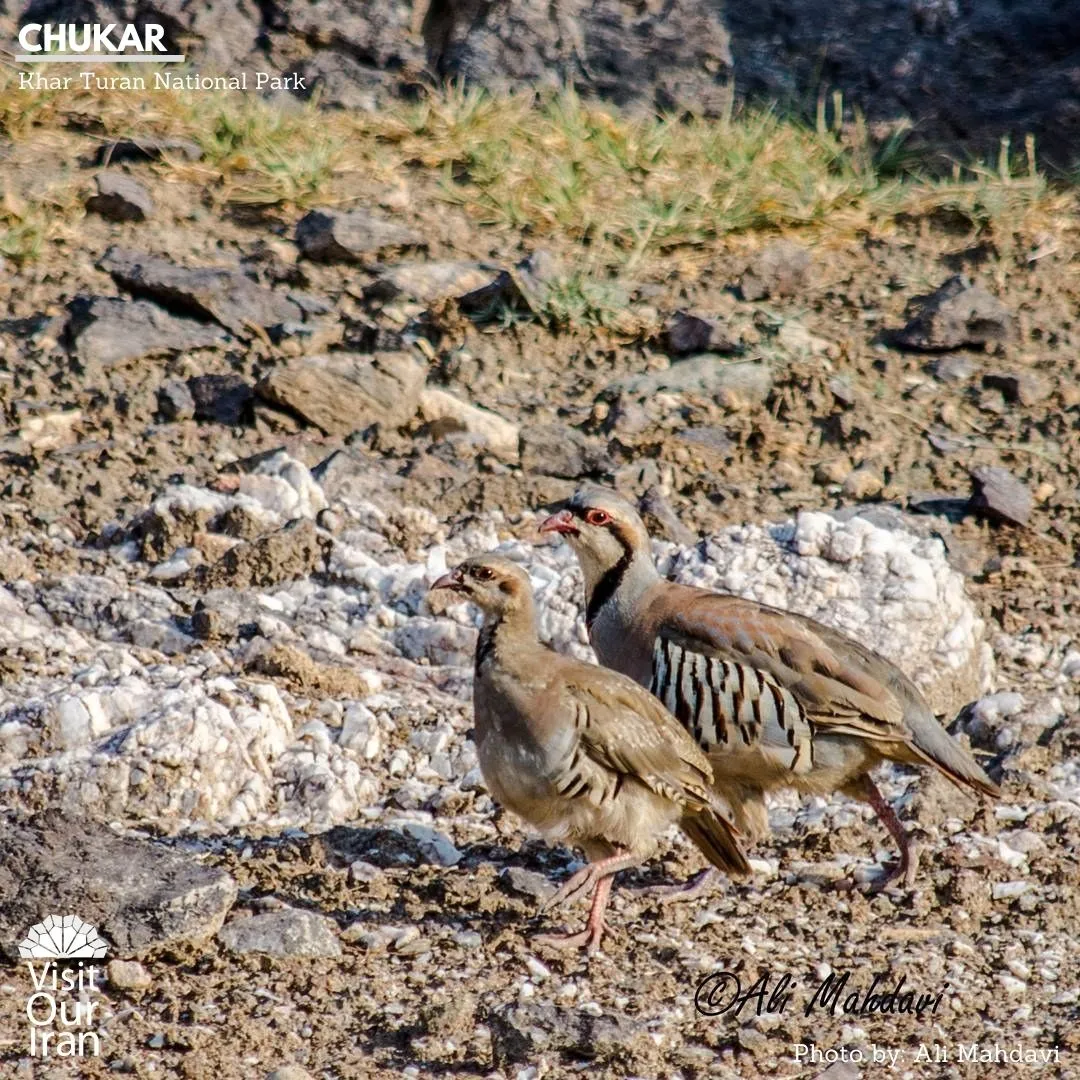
{"type": "Point", "coordinates": [573, 887]}
{"type": "Point", "coordinates": [903, 868]}
{"type": "Point", "coordinates": [589, 938]}
{"type": "Point", "coordinates": [699, 884]}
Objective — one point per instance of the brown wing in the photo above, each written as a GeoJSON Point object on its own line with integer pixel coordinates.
{"type": "Point", "coordinates": [625, 729]}
{"type": "Point", "coordinates": [834, 683]}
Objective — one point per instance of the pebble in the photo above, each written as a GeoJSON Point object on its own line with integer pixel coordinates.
{"type": "Point", "coordinates": [127, 975]}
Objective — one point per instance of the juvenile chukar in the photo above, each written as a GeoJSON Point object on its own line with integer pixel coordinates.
{"type": "Point", "coordinates": [776, 699]}
{"type": "Point", "coordinates": [581, 753]}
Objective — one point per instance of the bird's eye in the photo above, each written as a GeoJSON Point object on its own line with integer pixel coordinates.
{"type": "Point", "coordinates": [483, 573]}
{"type": "Point", "coordinates": [598, 517]}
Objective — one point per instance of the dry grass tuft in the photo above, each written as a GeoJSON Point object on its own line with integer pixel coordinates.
{"type": "Point", "coordinates": [626, 190]}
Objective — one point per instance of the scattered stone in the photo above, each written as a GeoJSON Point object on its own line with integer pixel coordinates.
{"type": "Point", "coordinates": [360, 236]}
{"type": "Point", "coordinates": [436, 847]}
{"type": "Point", "coordinates": [341, 393]}
{"type": "Point", "coordinates": [445, 413]}
{"type": "Point", "coordinates": [175, 401]}
{"type": "Point", "coordinates": [748, 380]}
{"type": "Point", "coordinates": [560, 450]}
{"type": "Point", "coordinates": [686, 332]}
{"type": "Point", "coordinates": [840, 1070]}
{"type": "Point", "coordinates": [526, 882]}
{"type": "Point", "coordinates": [139, 894]}
{"type": "Point", "coordinates": [382, 847]}
{"type": "Point", "coordinates": [216, 293]}
{"type": "Point", "coordinates": [146, 149]}
{"type": "Point", "coordinates": [352, 475]}
{"type": "Point", "coordinates": [120, 198]}
{"type": "Point", "coordinates": [954, 368]}
{"type": "Point", "coordinates": [957, 314]}
{"type": "Point", "coordinates": [293, 552]}
{"type": "Point", "coordinates": [429, 281]}
{"type": "Point", "coordinates": [1018, 387]}
{"type": "Point", "coordinates": [51, 430]}
{"type": "Point", "coordinates": [107, 330]}
{"type": "Point", "coordinates": [939, 503]}
{"type": "Point", "coordinates": [521, 1033]}
{"type": "Point", "coordinates": [287, 932]}
{"type": "Point", "coordinates": [998, 495]}
{"type": "Point", "coordinates": [127, 975]}
{"type": "Point", "coordinates": [863, 483]}
{"type": "Point", "coordinates": [657, 511]}
{"type": "Point", "coordinates": [779, 269]}
{"type": "Point", "coordinates": [223, 399]}
{"type": "Point", "coordinates": [289, 1072]}
{"type": "Point", "coordinates": [841, 389]}
{"type": "Point", "coordinates": [526, 285]}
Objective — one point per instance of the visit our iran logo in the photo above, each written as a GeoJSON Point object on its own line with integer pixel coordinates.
{"type": "Point", "coordinates": [61, 1008]}
{"type": "Point", "coordinates": [62, 937]}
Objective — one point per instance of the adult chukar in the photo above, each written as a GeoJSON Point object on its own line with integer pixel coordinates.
{"type": "Point", "coordinates": [776, 699]}
{"type": "Point", "coordinates": [581, 753]}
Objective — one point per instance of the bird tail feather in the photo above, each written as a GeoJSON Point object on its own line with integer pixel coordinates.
{"type": "Point", "coordinates": [715, 838]}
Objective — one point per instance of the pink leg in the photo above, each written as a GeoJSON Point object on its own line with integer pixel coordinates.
{"type": "Point", "coordinates": [594, 928]}
{"type": "Point", "coordinates": [587, 877]}
{"type": "Point", "coordinates": [599, 876]}
{"type": "Point", "coordinates": [864, 788]}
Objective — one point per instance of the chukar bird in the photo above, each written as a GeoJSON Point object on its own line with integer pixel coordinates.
{"type": "Point", "coordinates": [581, 753]}
{"type": "Point", "coordinates": [775, 699]}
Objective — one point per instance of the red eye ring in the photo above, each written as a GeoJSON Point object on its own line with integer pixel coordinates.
{"type": "Point", "coordinates": [598, 517]}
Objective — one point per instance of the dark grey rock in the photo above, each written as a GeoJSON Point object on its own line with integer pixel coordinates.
{"type": "Point", "coordinates": [779, 269]}
{"type": "Point", "coordinates": [289, 932]}
{"type": "Point", "coordinates": [999, 496]}
{"type": "Point", "coordinates": [359, 236]}
{"type": "Point", "coordinates": [222, 399]}
{"type": "Point", "coordinates": [139, 894]}
{"type": "Point", "coordinates": [674, 58]}
{"type": "Point", "coordinates": [108, 330]}
{"type": "Point", "coordinates": [526, 882]}
{"type": "Point", "coordinates": [175, 401]}
{"type": "Point", "coordinates": [687, 332]}
{"type": "Point", "coordinates": [120, 198]}
{"type": "Point", "coordinates": [560, 450]}
{"type": "Point", "coordinates": [526, 285]}
{"type": "Point", "coordinates": [146, 149]}
{"type": "Point", "coordinates": [342, 393]}
{"type": "Point", "coordinates": [207, 292]}
{"type": "Point", "coordinates": [957, 314]}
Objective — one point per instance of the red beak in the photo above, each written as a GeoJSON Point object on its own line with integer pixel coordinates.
{"type": "Point", "coordinates": [448, 581]}
{"type": "Point", "coordinates": [562, 522]}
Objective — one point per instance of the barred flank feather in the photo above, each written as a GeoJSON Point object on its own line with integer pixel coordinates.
{"type": "Point", "coordinates": [723, 704]}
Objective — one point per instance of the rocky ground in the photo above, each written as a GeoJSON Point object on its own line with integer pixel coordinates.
{"type": "Point", "coordinates": [234, 735]}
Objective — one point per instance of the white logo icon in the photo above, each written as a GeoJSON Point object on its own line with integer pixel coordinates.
{"type": "Point", "coordinates": [62, 937]}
